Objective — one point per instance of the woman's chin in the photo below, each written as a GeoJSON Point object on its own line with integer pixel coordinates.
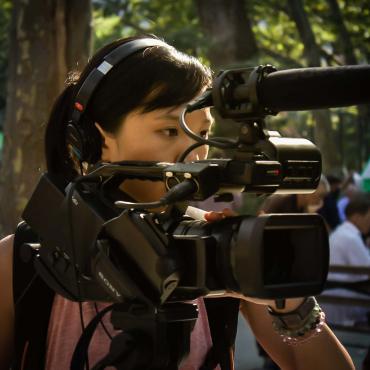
{"type": "Point", "coordinates": [144, 191]}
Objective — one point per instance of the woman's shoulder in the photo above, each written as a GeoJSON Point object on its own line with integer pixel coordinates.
{"type": "Point", "coordinates": [6, 253]}
{"type": "Point", "coordinates": [6, 263]}
{"type": "Point", "coordinates": [7, 241]}
{"type": "Point", "coordinates": [6, 299]}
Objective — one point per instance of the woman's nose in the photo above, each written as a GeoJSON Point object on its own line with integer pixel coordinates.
{"type": "Point", "coordinates": [184, 142]}
{"type": "Point", "coordinates": [198, 153]}
{"type": "Point", "coordinates": [192, 156]}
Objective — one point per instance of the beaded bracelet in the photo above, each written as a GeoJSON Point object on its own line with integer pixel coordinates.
{"type": "Point", "coordinates": [300, 325]}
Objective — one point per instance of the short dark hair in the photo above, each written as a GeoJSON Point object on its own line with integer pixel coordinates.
{"type": "Point", "coordinates": [359, 204]}
{"type": "Point", "coordinates": [156, 78]}
{"type": "Point", "coordinates": [333, 179]}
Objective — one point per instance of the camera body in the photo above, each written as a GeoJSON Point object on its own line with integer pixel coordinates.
{"type": "Point", "coordinates": [90, 250]}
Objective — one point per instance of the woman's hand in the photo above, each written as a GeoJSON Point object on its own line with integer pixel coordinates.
{"type": "Point", "coordinates": [290, 304]}
{"type": "Point", "coordinates": [212, 216]}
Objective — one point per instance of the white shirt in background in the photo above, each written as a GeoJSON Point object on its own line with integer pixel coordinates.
{"type": "Point", "coordinates": [346, 248]}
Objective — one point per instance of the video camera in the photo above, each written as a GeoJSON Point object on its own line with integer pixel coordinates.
{"type": "Point", "coordinates": [95, 245]}
{"type": "Point", "coordinates": [92, 249]}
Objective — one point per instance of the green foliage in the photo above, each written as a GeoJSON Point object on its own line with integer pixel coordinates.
{"type": "Point", "coordinates": [276, 34]}
{"type": "Point", "coordinates": [278, 41]}
{"type": "Point", "coordinates": [106, 28]}
{"type": "Point", "coordinates": [277, 38]}
{"type": "Point", "coordinates": [280, 44]}
{"type": "Point", "coordinates": [175, 21]}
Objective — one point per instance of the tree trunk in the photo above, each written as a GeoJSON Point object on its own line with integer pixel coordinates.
{"type": "Point", "coordinates": [344, 38]}
{"type": "Point", "coordinates": [79, 33]}
{"type": "Point", "coordinates": [328, 145]}
{"type": "Point", "coordinates": [39, 59]}
{"type": "Point", "coordinates": [231, 42]}
{"type": "Point", "coordinates": [363, 119]}
{"type": "Point", "coordinates": [324, 132]}
{"type": "Point", "coordinates": [311, 49]}
{"type": "Point", "coordinates": [229, 31]}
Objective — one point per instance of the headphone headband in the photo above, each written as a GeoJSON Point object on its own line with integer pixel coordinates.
{"type": "Point", "coordinates": [97, 74]}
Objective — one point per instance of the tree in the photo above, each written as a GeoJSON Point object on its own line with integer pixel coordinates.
{"type": "Point", "coordinates": [324, 133]}
{"type": "Point", "coordinates": [228, 28]}
{"type": "Point", "coordinates": [346, 47]}
{"type": "Point", "coordinates": [230, 42]}
{"type": "Point", "coordinates": [275, 33]}
{"type": "Point", "coordinates": [175, 21]}
{"type": "Point", "coordinates": [47, 38]}
{"type": "Point", "coordinates": [279, 44]}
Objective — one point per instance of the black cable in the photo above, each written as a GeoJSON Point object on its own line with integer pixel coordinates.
{"type": "Point", "coordinates": [80, 309]}
{"type": "Point", "coordinates": [81, 316]}
{"type": "Point", "coordinates": [223, 143]}
{"type": "Point", "coordinates": [78, 288]}
{"type": "Point", "coordinates": [102, 323]}
{"type": "Point", "coordinates": [177, 193]}
{"type": "Point", "coordinates": [196, 145]}
{"type": "Point", "coordinates": [26, 289]}
{"type": "Point", "coordinates": [188, 150]}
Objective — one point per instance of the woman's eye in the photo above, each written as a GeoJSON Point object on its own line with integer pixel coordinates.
{"type": "Point", "coordinates": [170, 131]}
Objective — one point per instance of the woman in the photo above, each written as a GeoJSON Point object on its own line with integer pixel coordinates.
{"type": "Point", "coordinates": [132, 113]}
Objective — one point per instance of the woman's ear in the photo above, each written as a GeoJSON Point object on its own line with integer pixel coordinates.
{"type": "Point", "coordinates": [108, 144]}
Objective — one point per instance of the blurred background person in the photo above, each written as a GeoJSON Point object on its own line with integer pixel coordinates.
{"type": "Point", "coordinates": [350, 188]}
{"type": "Point", "coordinates": [329, 210]}
{"type": "Point", "coordinates": [297, 203]}
{"type": "Point", "coordinates": [347, 247]}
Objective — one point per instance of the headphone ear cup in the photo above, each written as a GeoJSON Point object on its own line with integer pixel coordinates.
{"type": "Point", "coordinates": [92, 144]}
{"type": "Point", "coordinates": [85, 143]}
{"type": "Point", "coordinates": [74, 139]}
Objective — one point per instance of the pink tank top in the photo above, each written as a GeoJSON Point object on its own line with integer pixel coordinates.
{"type": "Point", "coordinates": [65, 330]}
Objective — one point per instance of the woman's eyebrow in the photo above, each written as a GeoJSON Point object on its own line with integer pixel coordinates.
{"type": "Point", "coordinates": [168, 116]}
{"type": "Point", "coordinates": [174, 117]}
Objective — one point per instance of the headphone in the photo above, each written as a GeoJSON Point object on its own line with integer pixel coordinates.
{"type": "Point", "coordinates": [85, 140]}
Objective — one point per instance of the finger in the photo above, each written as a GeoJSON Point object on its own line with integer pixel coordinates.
{"type": "Point", "coordinates": [229, 212]}
{"type": "Point", "coordinates": [214, 216]}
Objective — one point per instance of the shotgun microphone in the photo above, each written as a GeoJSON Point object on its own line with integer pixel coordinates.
{"type": "Point", "coordinates": [314, 88]}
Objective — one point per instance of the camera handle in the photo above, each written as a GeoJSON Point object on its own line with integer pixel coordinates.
{"type": "Point", "coordinates": [152, 338]}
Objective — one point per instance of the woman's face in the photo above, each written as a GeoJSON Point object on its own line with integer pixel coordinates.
{"type": "Point", "coordinates": [154, 136]}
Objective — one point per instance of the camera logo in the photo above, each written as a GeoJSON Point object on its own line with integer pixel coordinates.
{"type": "Point", "coordinates": [108, 284]}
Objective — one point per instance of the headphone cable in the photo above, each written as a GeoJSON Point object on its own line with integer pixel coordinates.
{"type": "Point", "coordinates": [69, 214]}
